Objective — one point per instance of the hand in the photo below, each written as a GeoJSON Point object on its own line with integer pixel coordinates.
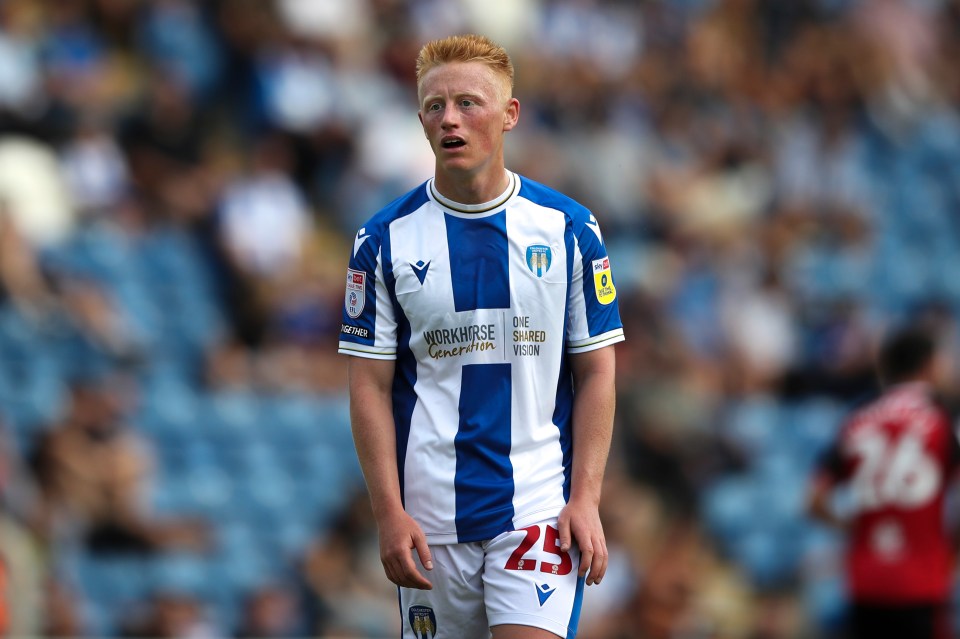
{"type": "Point", "coordinates": [581, 521]}
{"type": "Point", "coordinates": [399, 534]}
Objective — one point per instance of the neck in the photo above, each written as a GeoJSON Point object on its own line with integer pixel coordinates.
{"type": "Point", "coordinates": [472, 189]}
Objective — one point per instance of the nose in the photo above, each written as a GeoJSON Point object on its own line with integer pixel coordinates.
{"type": "Point", "coordinates": [451, 118]}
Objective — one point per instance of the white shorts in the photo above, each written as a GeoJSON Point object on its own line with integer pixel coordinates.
{"type": "Point", "coordinates": [519, 577]}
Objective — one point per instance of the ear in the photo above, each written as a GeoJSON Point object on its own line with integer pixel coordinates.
{"type": "Point", "coordinates": [420, 117]}
{"type": "Point", "coordinates": [511, 115]}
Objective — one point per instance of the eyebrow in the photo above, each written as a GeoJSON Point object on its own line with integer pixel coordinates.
{"type": "Point", "coordinates": [458, 96]}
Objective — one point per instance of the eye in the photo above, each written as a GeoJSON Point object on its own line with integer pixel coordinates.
{"type": "Point", "coordinates": [467, 103]}
{"type": "Point", "coordinates": [434, 107]}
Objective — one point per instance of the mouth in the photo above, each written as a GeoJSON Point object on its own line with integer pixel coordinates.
{"type": "Point", "coordinates": [452, 142]}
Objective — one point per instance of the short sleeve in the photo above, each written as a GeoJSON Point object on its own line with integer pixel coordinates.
{"type": "Point", "coordinates": [594, 313]}
{"type": "Point", "coordinates": [368, 327]}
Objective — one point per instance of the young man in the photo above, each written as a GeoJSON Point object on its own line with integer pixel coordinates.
{"type": "Point", "coordinates": [897, 455]}
{"type": "Point", "coordinates": [480, 310]}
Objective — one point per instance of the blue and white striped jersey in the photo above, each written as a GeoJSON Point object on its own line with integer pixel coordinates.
{"type": "Point", "coordinates": [481, 306]}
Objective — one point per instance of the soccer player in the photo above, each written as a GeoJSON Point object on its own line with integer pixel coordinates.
{"type": "Point", "coordinates": [480, 312]}
{"type": "Point", "coordinates": [897, 456]}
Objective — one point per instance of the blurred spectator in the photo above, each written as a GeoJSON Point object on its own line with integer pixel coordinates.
{"type": "Point", "coordinates": [271, 612]}
{"type": "Point", "coordinates": [94, 167]}
{"type": "Point", "coordinates": [20, 66]}
{"type": "Point", "coordinates": [263, 219]}
{"type": "Point", "coordinates": [163, 140]}
{"type": "Point", "coordinates": [22, 564]}
{"type": "Point", "coordinates": [23, 284]}
{"type": "Point", "coordinates": [342, 571]}
{"type": "Point", "coordinates": [4, 597]}
{"type": "Point", "coordinates": [103, 336]}
{"type": "Point", "coordinates": [298, 84]}
{"type": "Point", "coordinates": [33, 189]}
{"type": "Point", "coordinates": [75, 58]}
{"type": "Point", "coordinates": [759, 322]}
{"type": "Point", "coordinates": [176, 36]}
{"type": "Point", "coordinates": [170, 615]}
{"type": "Point", "coordinates": [93, 472]}
{"type": "Point", "coordinates": [63, 614]}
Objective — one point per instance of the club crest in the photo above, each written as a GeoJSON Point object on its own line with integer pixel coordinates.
{"type": "Point", "coordinates": [423, 622]}
{"type": "Point", "coordinates": [539, 258]}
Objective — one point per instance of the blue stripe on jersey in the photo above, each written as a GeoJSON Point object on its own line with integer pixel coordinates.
{"type": "Point", "coordinates": [405, 375]}
{"type": "Point", "coordinates": [563, 418]}
{"type": "Point", "coordinates": [484, 475]}
{"type": "Point", "coordinates": [574, 622]}
{"type": "Point", "coordinates": [479, 264]}
{"type": "Point", "coordinates": [563, 407]}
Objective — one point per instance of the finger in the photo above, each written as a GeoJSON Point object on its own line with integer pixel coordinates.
{"type": "Point", "coordinates": [598, 567]}
{"type": "Point", "coordinates": [416, 580]}
{"type": "Point", "coordinates": [586, 557]}
{"type": "Point", "coordinates": [563, 527]}
{"type": "Point", "coordinates": [415, 577]}
{"type": "Point", "coordinates": [404, 573]}
{"type": "Point", "coordinates": [423, 551]}
{"type": "Point", "coordinates": [389, 568]}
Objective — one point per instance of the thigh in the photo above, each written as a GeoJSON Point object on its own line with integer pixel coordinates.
{"type": "Point", "coordinates": [529, 582]}
{"type": "Point", "coordinates": [454, 609]}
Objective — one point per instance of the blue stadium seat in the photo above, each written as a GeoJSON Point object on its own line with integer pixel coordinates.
{"type": "Point", "coordinates": [291, 420]}
{"type": "Point", "coordinates": [211, 490]}
{"type": "Point", "coordinates": [729, 506]}
{"type": "Point", "coordinates": [265, 496]}
{"type": "Point", "coordinates": [232, 417]}
{"type": "Point", "coordinates": [112, 581]}
{"type": "Point", "coordinates": [770, 557]}
{"type": "Point", "coordinates": [812, 426]}
{"type": "Point", "coordinates": [168, 406]}
{"type": "Point", "coordinates": [240, 560]}
{"type": "Point", "coordinates": [333, 420]}
{"type": "Point", "coordinates": [181, 572]}
{"type": "Point", "coordinates": [751, 423]}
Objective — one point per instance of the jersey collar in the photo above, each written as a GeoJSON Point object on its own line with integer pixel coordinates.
{"type": "Point", "coordinates": [471, 210]}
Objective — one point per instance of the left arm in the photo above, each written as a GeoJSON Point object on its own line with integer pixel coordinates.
{"type": "Point", "coordinates": [818, 502]}
{"type": "Point", "coordinates": [593, 408]}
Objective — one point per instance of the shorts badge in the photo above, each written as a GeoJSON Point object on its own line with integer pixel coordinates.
{"type": "Point", "coordinates": [423, 622]}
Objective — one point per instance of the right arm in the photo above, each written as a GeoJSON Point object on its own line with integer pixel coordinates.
{"type": "Point", "coordinates": [830, 471]}
{"type": "Point", "coordinates": [371, 417]}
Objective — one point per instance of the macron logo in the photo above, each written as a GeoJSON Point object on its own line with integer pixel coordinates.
{"type": "Point", "coordinates": [543, 593]}
{"type": "Point", "coordinates": [420, 270]}
{"type": "Point", "coordinates": [362, 236]}
{"type": "Point", "coordinates": [592, 223]}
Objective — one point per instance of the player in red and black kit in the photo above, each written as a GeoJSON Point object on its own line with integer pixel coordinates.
{"type": "Point", "coordinates": [897, 456]}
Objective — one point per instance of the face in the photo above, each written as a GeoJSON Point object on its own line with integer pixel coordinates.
{"type": "Point", "coordinates": [465, 113]}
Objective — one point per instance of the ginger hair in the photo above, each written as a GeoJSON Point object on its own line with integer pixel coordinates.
{"type": "Point", "coordinates": [466, 48]}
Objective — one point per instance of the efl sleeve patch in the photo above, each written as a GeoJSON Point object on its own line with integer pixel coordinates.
{"type": "Point", "coordinates": [603, 281]}
{"type": "Point", "coordinates": [356, 295]}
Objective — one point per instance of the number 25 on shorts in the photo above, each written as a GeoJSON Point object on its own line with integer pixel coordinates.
{"type": "Point", "coordinates": [520, 560]}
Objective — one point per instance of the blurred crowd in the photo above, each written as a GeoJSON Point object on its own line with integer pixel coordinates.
{"type": "Point", "coordinates": [778, 183]}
